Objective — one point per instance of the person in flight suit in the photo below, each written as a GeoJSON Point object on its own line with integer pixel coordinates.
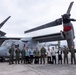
{"type": "Point", "coordinates": [23, 55]}
{"type": "Point", "coordinates": [11, 58]}
{"type": "Point", "coordinates": [17, 55]}
{"type": "Point", "coordinates": [65, 51]}
{"type": "Point", "coordinates": [72, 50]}
{"type": "Point", "coordinates": [43, 51]}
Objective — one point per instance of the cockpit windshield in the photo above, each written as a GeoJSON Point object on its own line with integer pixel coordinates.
{"type": "Point", "coordinates": [7, 43]}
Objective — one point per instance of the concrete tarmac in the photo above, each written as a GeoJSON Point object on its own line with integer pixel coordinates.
{"type": "Point", "coordinates": [37, 69]}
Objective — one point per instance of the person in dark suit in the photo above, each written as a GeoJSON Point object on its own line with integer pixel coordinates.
{"type": "Point", "coordinates": [59, 55]}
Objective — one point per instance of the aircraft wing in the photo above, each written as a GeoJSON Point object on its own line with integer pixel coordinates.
{"type": "Point", "coordinates": [12, 38]}
{"type": "Point", "coordinates": [48, 38]}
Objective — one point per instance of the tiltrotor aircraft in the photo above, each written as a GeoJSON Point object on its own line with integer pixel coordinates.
{"type": "Point", "coordinates": [67, 33]}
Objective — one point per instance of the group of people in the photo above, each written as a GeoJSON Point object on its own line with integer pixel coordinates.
{"type": "Point", "coordinates": [65, 51]}
{"type": "Point", "coordinates": [38, 56]}
{"type": "Point", "coordinates": [26, 55]}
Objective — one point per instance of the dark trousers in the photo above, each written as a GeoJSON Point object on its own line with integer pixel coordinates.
{"type": "Point", "coordinates": [31, 58]}
{"type": "Point", "coordinates": [42, 58]}
{"type": "Point", "coordinates": [27, 59]}
{"type": "Point", "coordinates": [54, 59]}
{"type": "Point", "coordinates": [48, 59]}
{"type": "Point", "coordinates": [59, 59]}
{"type": "Point", "coordinates": [22, 59]}
{"type": "Point", "coordinates": [11, 59]}
{"type": "Point", "coordinates": [17, 59]}
{"type": "Point", "coordinates": [65, 59]}
{"type": "Point", "coordinates": [73, 58]}
{"type": "Point", "coordinates": [36, 60]}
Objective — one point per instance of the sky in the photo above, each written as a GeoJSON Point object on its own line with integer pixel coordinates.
{"type": "Point", "coordinates": [27, 14]}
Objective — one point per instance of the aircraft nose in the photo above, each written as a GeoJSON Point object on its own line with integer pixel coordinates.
{"type": "Point", "coordinates": [3, 51]}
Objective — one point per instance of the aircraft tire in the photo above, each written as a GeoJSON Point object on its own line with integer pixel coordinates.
{"type": "Point", "coordinates": [2, 59]}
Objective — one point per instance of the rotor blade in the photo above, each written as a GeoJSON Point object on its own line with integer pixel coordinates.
{"type": "Point", "coordinates": [69, 8]}
{"type": "Point", "coordinates": [54, 23]}
{"type": "Point", "coordinates": [1, 24]}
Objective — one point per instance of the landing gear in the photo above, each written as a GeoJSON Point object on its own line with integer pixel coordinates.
{"type": "Point", "coordinates": [2, 59]}
{"type": "Point", "coordinates": [62, 34]}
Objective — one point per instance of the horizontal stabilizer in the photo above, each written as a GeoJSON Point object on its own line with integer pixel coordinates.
{"type": "Point", "coordinates": [2, 33]}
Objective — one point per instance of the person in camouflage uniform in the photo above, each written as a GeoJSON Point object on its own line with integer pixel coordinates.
{"type": "Point", "coordinates": [23, 55]}
{"type": "Point", "coordinates": [65, 51]}
{"type": "Point", "coordinates": [42, 51]}
{"type": "Point", "coordinates": [36, 55]}
{"type": "Point", "coordinates": [11, 52]}
{"type": "Point", "coordinates": [17, 55]}
{"type": "Point", "coordinates": [72, 50]}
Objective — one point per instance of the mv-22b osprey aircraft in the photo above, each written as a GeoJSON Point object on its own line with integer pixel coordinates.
{"type": "Point", "coordinates": [67, 33]}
